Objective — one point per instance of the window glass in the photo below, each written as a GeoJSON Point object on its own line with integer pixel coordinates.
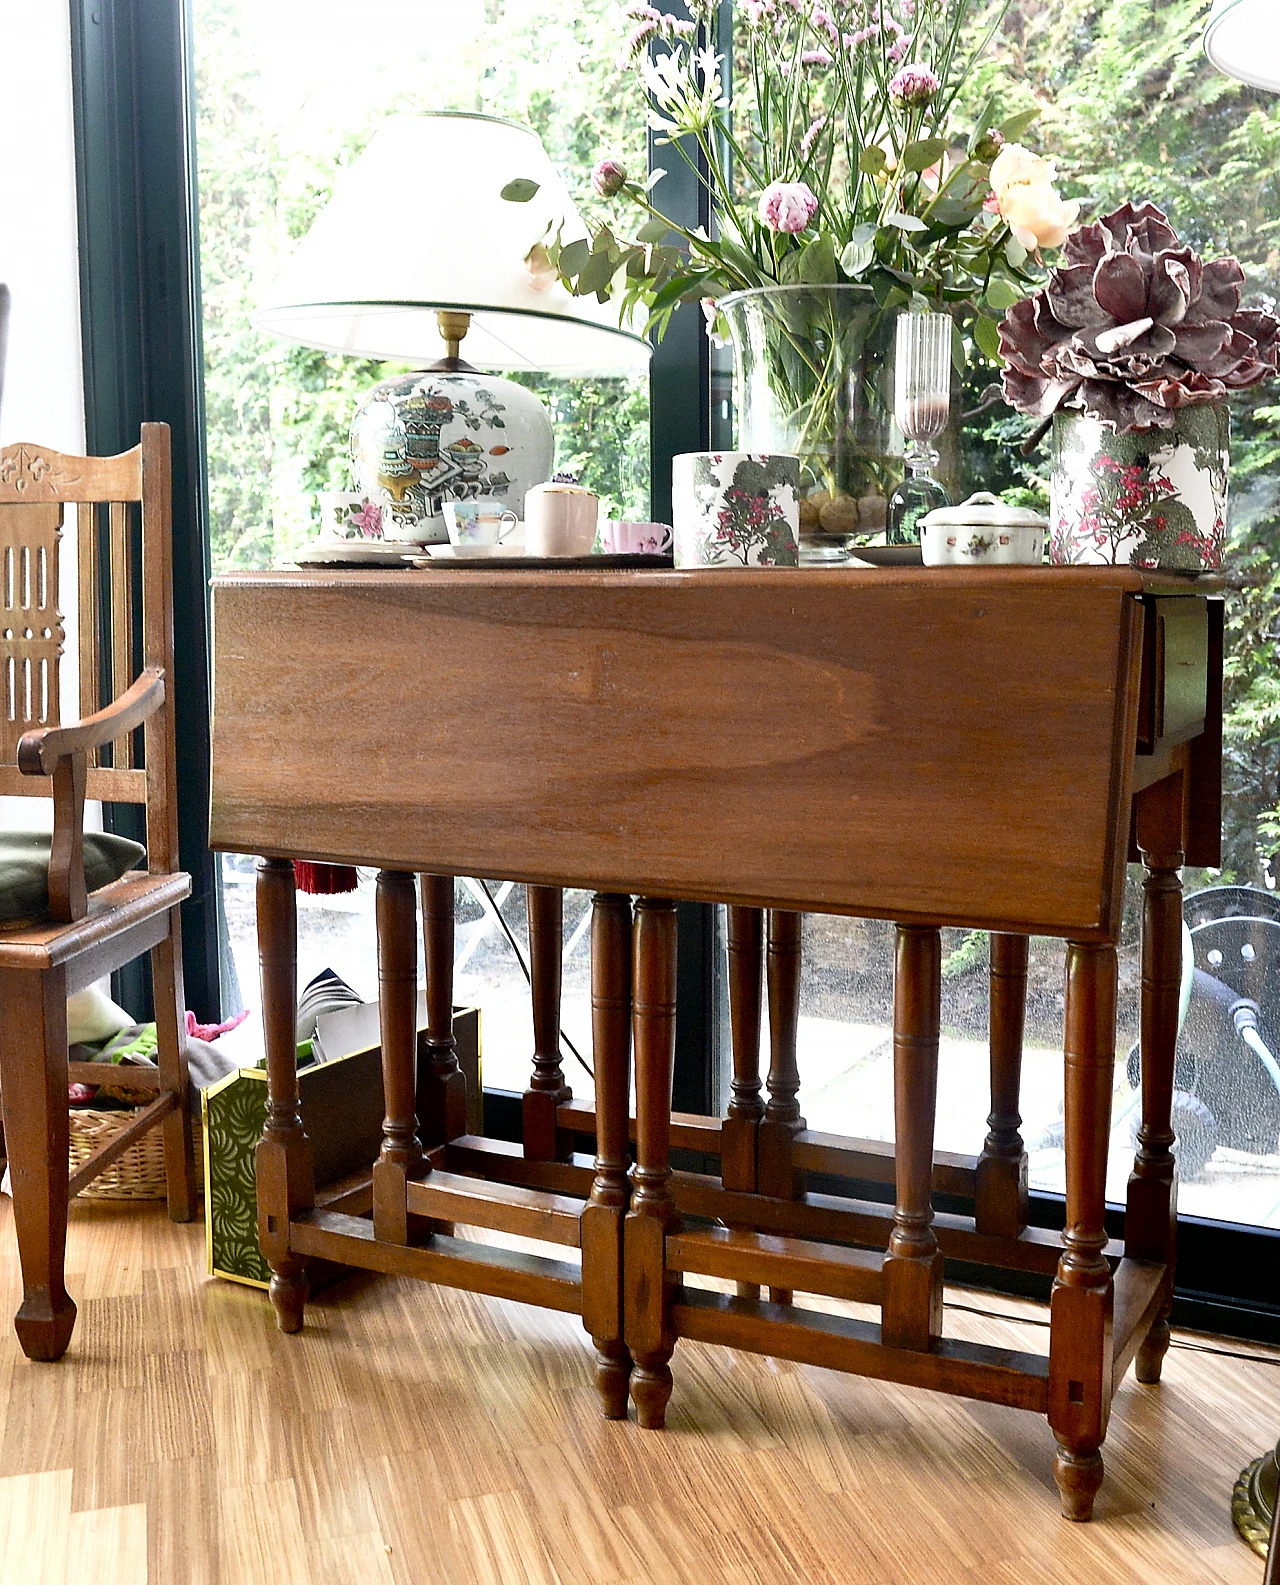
{"type": "Point", "coordinates": [1130, 109]}
{"type": "Point", "coordinates": [287, 93]}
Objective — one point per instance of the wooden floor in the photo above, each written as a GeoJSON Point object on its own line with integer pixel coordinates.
{"type": "Point", "coordinates": [416, 1435]}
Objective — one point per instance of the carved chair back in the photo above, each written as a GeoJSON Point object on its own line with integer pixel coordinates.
{"type": "Point", "coordinates": [122, 526]}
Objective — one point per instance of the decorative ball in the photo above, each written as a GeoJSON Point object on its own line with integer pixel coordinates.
{"type": "Point", "coordinates": [423, 439]}
{"type": "Point", "coordinates": [873, 513]}
{"type": "Point", "coordinates": [839, 516]}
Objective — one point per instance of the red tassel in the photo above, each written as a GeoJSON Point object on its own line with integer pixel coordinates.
{"type": "Point", "coordinates": [323, 880]}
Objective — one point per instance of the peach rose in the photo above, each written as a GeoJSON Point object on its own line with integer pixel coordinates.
{"type": "Point", "coordinates": [1036, 215]}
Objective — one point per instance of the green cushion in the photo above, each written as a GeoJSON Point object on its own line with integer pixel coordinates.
{"type": "Point", "coordinates": [24, 868]}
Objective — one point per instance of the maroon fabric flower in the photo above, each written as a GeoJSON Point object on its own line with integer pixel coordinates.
{"type": "Point", "coordinates": [1134, 326]}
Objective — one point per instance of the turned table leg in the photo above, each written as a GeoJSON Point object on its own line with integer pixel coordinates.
{"type": "Point", "coordinates": [776, 1173]}
{"type": "Point", "coordinates": [284, 1166]}
{"type": "Point", "coordinates": [401, 1155]}
{"type": "Point", "coordinates": [1151, 1216]}
{"type": "Point", "coordinates": [1081, 1305]}
{"type": "Point", "coordinates": [1000, 1194]}
{"type": "Point", "coordinates": [605, 1212]}
{"type": "Point", "coordinates": [544, 1140]}
{"type": "Point", "coordinates": [912, 1303]}
{"type": "Point", "coordinates": [647, 1288]}
{"type": "Point", "coordinates": [442, 1085]}
{"type": "Point", "coordinates": [739, 1133]}
{"type": "Point", "coordinates": [33, 1075]}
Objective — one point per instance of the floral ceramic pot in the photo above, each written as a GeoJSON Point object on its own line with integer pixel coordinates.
{"type": "Point", "coordinates": [424, 439]}
{"type": "Point", "coordinates": [735, 509]}
{"type": "Point", "coordinates": [1156, 498]}
{"type": "Point", "coordinates": [982, 532]}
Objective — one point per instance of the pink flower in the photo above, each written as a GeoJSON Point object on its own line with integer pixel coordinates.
{"type": "Point", "coordinates": [913, 87]}
{"type": "Point", "coordinates": [641, 35]}
{"type": "Point", "coordinates": [369, 521]}
{"type": "Point", "coordinates": [787, 206]}
{"type": "Point", "coordinates": [608, 179]}
{"type": "Point", "coordinates": [815, 58]}
{"type": "Point", "coordinates": [811, 136]}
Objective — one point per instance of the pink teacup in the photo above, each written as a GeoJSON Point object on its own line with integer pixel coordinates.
{"type": "Point", "coordinates": [634, 539]}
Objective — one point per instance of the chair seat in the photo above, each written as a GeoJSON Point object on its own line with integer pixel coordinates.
{"type": "Point", "coordinates": [130, 901]}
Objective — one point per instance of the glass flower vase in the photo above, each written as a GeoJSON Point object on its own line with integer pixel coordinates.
{"type": "Point", "coordinates": [814, 380]}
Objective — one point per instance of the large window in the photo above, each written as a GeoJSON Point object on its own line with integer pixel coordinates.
{"type": "Point", "coordinates": [1130, 108]}
{"type": "Point", "coordinates": [287, 93]}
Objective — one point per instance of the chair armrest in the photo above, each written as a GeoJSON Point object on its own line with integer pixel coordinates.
{"type": "Point", "coordinates": [40, 751]}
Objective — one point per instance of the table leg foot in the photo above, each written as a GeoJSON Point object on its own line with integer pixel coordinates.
{"type": "Point", "coordinates": [613, 1377]}
{"type": "Point", "coordinates": [288, 1292]}
{"type": "Point", "coordinates": [651, 1388]}
{"type": "Point", "coordinates": [1150, 1361]}
{"type": "Point", "coordinates": [1078, 1473]}
{"type": "Point", "coordinates": [44, 1325]}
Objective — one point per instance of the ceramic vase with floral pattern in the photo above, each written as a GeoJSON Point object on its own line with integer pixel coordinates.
{"type": "Point", "coordinates": [735, 509]}
{"type": "Point", "coordinates": [423, 439]}
{"type": "Point", "coordinates": [1152, 498]}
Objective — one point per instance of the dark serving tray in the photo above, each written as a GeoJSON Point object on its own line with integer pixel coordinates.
{"type": "Point", "coordinates": [601, 563]}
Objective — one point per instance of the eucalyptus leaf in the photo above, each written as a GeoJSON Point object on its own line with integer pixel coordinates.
{"type": "Point", "coordinates": [653, 230]}
{"type": "Point", "coordinates": [872, 160]}
{"type": "Point", "coordinates": [859, 251]}
{"type": "Point", "coordinates": [596, 274]}
{"type": "Point", "coordinates": [952, 212]}
{"type": "Point", "coordinates": [818, 262]}
{"type": "Point", "coordinates": [985, 121]}
{"type": "Point", "coordinates": [520, 190]}
{"type": "Point", "coordinates": [986, 333]}
{"type": "Point", "coordinates": [1015, 253]}
{"type": "Point", "coordinates": [959, 357]}
{"type": "Point", "coordinates": [1002, 294]}
{"type": "Point", "coordinates": [573, 257]}
{"type": "Point", "coordinates": [1016, 125]}
{"type": "Point", "coordinates": [921, 155]}
{"type": "Point", "coordinates": [906, 222]}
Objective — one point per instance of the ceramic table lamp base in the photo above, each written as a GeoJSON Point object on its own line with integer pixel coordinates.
{"type": "Point", "coordinates": [432, 437]}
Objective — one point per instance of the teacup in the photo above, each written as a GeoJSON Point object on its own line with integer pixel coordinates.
{"type": "Point", "coordinates": [480, 522]}
{"type": "Point", "coordinates": [634, 539]}
{"type": "Point", "coordinates": [346, 514]}
{"type": "Point", "coordinates": [560, 520]}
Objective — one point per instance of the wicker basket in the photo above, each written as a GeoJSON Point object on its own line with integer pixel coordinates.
{"type": "Point", "coordinates": [137, 1174]}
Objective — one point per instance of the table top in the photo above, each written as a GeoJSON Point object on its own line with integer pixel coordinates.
{"type": "Point", "coordinates": [944, 745]}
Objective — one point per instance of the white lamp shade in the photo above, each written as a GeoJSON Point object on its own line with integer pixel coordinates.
{"type": "Point", "coordinates": [1242, 39]}
{"type": "Point", "coordinates": [417, 223]}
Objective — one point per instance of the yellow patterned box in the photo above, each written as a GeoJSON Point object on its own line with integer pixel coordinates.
{"type": "Point", "coordinates": [342, 1110]}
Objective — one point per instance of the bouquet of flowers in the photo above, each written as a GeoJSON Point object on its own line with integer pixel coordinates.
{"type": "Point", "coordinates": [834, 161]}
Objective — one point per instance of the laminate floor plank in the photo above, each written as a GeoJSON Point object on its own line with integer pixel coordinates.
{"type": "Point", "coordinates": [108, 1546]}
{"type": "Point", "coordinates": [35, 1525]}
{"type": "Point", "coordinates": [413, 1433]}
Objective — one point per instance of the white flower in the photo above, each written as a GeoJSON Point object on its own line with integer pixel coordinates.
{"type": "Point", "coordinates": [1026, 199]}
{"type": "Point", "coordinates": [1015, 165]}
{"type": "Point", "coordinates": [1036, 215]}
{"type": "Point", "coordinates": [666, 78]}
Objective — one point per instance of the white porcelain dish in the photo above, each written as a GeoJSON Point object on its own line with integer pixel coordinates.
{"type": "Point", "coordinates": [353, 553]}
{"type": "Point", "coordinates": [982, 532]}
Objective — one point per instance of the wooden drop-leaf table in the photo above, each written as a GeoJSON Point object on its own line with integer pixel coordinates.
{"type": "Point", "coordinates": [983, 748]}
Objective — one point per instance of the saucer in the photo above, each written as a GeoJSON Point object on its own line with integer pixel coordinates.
{"type": "Point", "coordinates": [354, 553]}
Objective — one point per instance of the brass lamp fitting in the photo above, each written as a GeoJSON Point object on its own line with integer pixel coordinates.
{"type": "Point", "coordinates": [453, 325]}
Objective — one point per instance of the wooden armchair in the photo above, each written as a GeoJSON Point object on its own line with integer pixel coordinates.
{"type": "Point", "coordinates": [123, 527]}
